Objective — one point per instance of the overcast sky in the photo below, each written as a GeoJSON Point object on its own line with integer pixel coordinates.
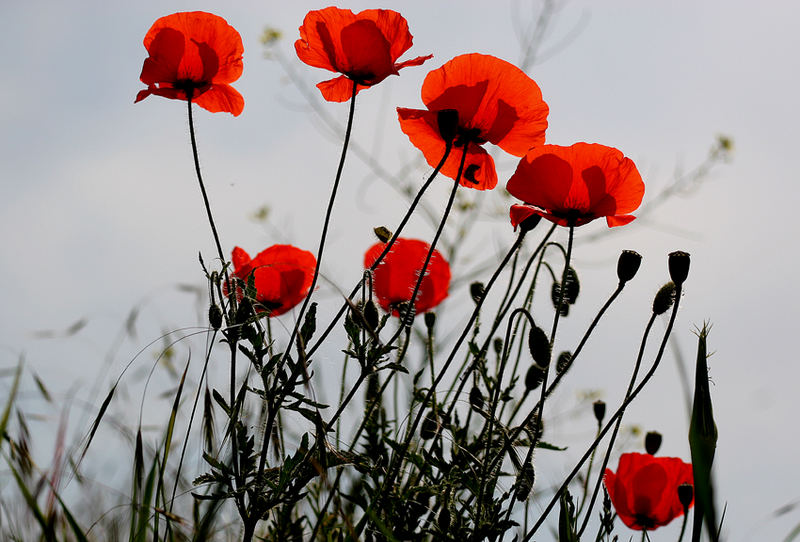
{"type": "Point", "coordinates": [100, 210]}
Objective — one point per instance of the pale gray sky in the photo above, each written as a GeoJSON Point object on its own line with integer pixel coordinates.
{"type": "Point", "coordinates": [101, 210]}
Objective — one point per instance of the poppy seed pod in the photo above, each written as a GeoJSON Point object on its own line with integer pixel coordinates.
{"type": "Point", "coordinates": [430, 320]}
{"type": "Point", "coordinates": [539, 346]}
{"type": "Point", "coordinates": [533, 377]}
{"type": "Point", "coordinates": [497, 343]}
{"type": "Point", "coordinates": [652, 442]}
{"type": "Point", "coordinates": [599, 408]}
{"type": "Point", "coordinates": [476, 290]}
{"type": "Point", "coordinates": [664, 298]}
{"type": "Point", "coordinates": [628, 265]}
{"type": "Point", "coordinates": [686, 495]}
{"type": "Point", "coordinates": [447, 120]}
{"type": "Point", "coordinates": [678, 266]}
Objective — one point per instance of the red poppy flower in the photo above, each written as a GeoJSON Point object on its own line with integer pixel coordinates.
{"type": "Point", "coordinates": [363, 46]}
{"type": "Point", "coordinates": [194, 55]}
{"type": "Point", "coordinates": [282, 275]}
{"type": "Point", "coordinates": [393, 280]}
{"type": "Point", "coordinates": [574, 185]}
{"type": "Point", "coordinates": [644, 490]}
{"type": "Point", "coordinates": [496, 102]}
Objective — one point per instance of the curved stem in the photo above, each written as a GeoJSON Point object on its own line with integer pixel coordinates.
{"type": "Point", "coordinates": [618, 424]}
{"type": "Point", "coordinates": [385, 251]}
{"type": "Point", "coordinates": [203, 187]}
{"type": "Point", "coordinates": [618, 414]}
{"type": "Point", "coordinates": [326, 223]}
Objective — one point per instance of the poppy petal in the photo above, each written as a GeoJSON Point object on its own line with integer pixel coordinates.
{"type": "Point", "coordinates": [366, 51]}
{"type": "Point", "coordinates": [579, 183]}
{"type": "Point", "coordinates": [493, 96]}
{"type": "Point", "coordinates": [194, 52]}
{"type": "Point", "coordinates": [221, 98]}
{"type": "Point", "coordinates": [394, 279]}
{"type": "Point", "coordinates": [422, 129]}
{"type": "Point", "coordinates": [339, 89]}
{"type": "Point", "coordinates": [166, 50]}
{"type": "Point", "coordinates": [413, 62]}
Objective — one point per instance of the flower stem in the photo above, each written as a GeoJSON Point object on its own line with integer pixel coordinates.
{"type": "Point", "coordinates": [326, 223]}
{"type": "Point", "coordinates": [618, 414]}
{"type": "Point", "coordinates": [617, 425]}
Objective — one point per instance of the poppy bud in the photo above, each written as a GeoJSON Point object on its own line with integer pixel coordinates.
{"type": "Point", "coordinates": [664, 298]}
{"type": "Point", "coordinates": [572, 286]}
{"type": "Point", "coordinates": [555, 296]}
{"type": "Point", "coordinates": [383, 234]}
{"type": "Point", "coordinates": [430, 319]}
{"type": "Point", "coordinates": [539, 345]}
{"type": "Point", "coordinates": [215, 316]}
{"type": "Point", "coordinates": [652, 442]}
{"type": "Point", "coordinates": [476, 290]}
{"type": "Point", "coordinates": [529, 223]}
{"type": "Point", "coordinates": [686, 496]}
{"type": "Point", "coordinates": [599, 408]}
{"type": "Point", "coordinates": [476, 398]}
{"type": "Point", "coordinates": [678, 266]}
{"type": "Point", "coordinates": [371, 314]}
{"type": "Point", "coordinates": [564, 362]}
{"type": "Point", "coordinates": [628, 265]}
{"type": "Point", "coordinates": [447, 119]}
{"type": "Point", "coordinates": [525, 481]}
{"type": "Point", "coordinates": [533, 377]}
{"type": "Point", "coordinates": [498, 345]}
{"type": "Point", "coordinates": [429, 426]}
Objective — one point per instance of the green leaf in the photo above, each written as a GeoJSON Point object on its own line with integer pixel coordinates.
{"type": "Point", "coordinates": [703, 444]}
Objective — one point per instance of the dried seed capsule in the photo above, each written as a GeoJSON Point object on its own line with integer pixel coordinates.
{"type": "Point", "coordinates": [664, 298]}
{"type": "Point", "coordinates": [628, 265]}
{"type": "Point", "coordinates": [476, 290]}
{"type": "Point", "coordinates": [678, 266]}
{"type": "Point", "coordinates": [652, 442]}
{"type": "Point", "coordinates": [599, 408]}
{"type": "Point", "coordinates": [430, 319]}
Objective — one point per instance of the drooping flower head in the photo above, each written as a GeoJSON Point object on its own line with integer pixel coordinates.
{"type": "Point", "coordinates": [574, 185]}
{"type": "Point", "coordinates": [644, 489]}
{"type": "Point", "coordinates": [364, 47]}
{"type": "Point", "coordinates": [282, 275]}
{"type": "Point", "coordinates": [194, 55]}
{"type": "Point", "coordinates": [393, 280]}
{"type": "Point", "coordinates": [495, 101]}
